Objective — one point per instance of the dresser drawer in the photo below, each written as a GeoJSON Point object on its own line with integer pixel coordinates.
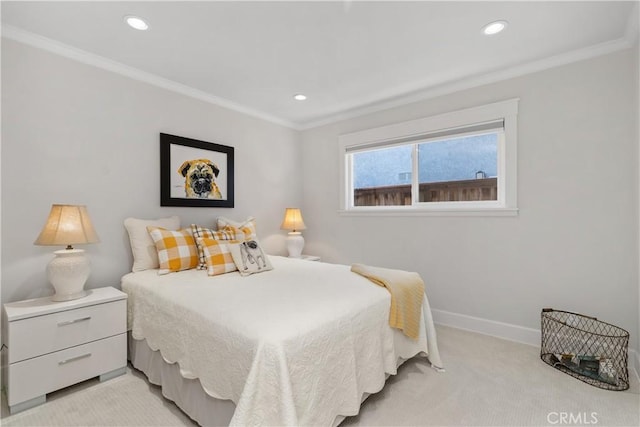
{"type": "Point", "coordinates": [36, 336]}
{"type": "Point", "coordinates": [44, 374]}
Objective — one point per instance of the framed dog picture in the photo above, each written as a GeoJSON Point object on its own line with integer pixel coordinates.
{"type": "Point", "coordinates": [195, 173]}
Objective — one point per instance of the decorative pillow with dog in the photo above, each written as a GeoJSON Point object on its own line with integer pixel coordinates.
{"type": "Point", "coordinates": [218, 255]}
{"type": "Point", "coordinates": [198, 232]}
{"type": "Point", "coordinates": [176, 249]}
{"type": "Point", "coordinates": [250, 258]}
{"type": "Point", "coordinates": [145, 255]}
{"type": "Point", "coordinates": [243, 230]}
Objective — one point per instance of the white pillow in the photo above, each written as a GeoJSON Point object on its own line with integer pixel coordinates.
{"type": "Point", "coordinates": [249, 257]}
{"type": "Point", "coordinates": [223, 222]}
{"type": "Point", "coordinates": [145, 255]}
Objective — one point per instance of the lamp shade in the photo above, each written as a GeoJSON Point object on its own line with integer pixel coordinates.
{"type": "Point", "coordinates": [293, 220]}
{"type": "Point", "coordinates": [67, 225]}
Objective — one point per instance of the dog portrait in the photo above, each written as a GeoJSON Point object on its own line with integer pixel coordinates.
{"type": "Point", "coordinates": [200, 179]}
{"type": "Point", "coordinates": [195, 173]}
{"type": "Point", "coordinates": [252, 254]}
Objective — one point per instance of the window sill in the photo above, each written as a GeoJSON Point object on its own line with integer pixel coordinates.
{"type": "Point", "coordinates": [400, 212]}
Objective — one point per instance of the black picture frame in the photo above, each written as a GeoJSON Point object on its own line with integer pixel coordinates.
{"type": "Point", "coordinates": [182, 160]}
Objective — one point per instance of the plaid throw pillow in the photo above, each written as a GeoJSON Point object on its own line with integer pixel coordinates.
{"type": "Point", "coordinates": [201, 232]}
{"type": "Point", "coordinates": [176, 249]}
{"type": "Point", "coordinates": [218, 255]}
{"type": "Point", "coordinates": [245, 230]}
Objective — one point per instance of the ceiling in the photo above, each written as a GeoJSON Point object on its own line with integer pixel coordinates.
{"type": "Point", "coordinates": [347, 57]}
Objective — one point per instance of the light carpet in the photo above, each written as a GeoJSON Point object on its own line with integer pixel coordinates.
{"type": "Point", "coordinates": [488, 382]}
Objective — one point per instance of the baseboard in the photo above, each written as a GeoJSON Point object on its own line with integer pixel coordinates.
{"type": "Point", "coordinates": [508, 331]}
{"type": "Point", "coordinates": [502, 330]}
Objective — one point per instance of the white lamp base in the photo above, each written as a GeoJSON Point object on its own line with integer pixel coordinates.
{"type": "Point", "coordinates": [68, 272]}
{"type": "Point", "coordinates": [295, 243]}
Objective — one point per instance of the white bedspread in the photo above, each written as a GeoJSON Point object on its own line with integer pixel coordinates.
{"type": "Point", "coordinates": [298, 345]}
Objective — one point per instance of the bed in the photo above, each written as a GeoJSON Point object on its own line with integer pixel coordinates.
{"type": "Point", "coordinates": [302, 344]}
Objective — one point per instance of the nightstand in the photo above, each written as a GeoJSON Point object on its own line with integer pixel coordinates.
{"type": "Point", "coordinates": [52, 345]}
{"type": "Point", "coordinates": [310, 258]}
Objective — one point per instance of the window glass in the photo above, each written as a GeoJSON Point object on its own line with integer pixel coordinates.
{"type": "Point", "coordinates": [382, 177]}
{"type": "Point", "coordinates": [458, 169]}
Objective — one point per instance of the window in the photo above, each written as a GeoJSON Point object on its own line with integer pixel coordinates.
{"type": "Point", "coordinates": [456, 162]}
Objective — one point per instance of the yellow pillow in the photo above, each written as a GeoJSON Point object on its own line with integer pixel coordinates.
{"type": "Point", "coordinates": [218, 255]}
{"type": "Point", "coordinates": [245, 230]}
{"type": "Point", "coordinates": [176, 249]}
{"type": "Point", "coordinates": [198, 231]}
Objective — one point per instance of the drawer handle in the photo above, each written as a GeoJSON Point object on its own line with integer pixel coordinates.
{"type": "Point", "coordinates": [71, 322]}
{"type": "Point", "coordinates": [73, 359]}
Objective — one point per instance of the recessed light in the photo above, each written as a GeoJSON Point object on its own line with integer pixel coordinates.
{"type": "Point", "coordinates": [299, 97]}
{"type": "Point", "coordinates": [136, 22]}
{"type": "Point", "coordinates": [494, 27]}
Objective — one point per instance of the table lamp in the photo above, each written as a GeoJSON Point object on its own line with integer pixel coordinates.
{"type": "Point", "coordinates": [68, 271]}
{"type": "Point", "coordinates": [293, 221]}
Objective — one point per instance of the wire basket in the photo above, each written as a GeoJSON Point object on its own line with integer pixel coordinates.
{"type": "Point", "coordinates": [586, 348]}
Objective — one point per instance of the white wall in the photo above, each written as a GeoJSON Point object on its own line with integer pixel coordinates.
{"type": "Point", "coordinates": [72, 133]}
{"type": "Point", "coordinates": [573, 245]}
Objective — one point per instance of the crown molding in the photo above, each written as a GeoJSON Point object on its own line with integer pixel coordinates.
{"type": "Point", "coordinates": [354, 109]}
{"type": "Point", "coordinates": [54, 46]}
{"type": "Point", "coordinates": [421, 94]}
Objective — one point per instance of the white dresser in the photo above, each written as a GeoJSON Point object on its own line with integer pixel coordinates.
{"type": "Point", "coordinates": [52, 345]}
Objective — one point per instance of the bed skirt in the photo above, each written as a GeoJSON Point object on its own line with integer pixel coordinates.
{"type": "Point", "coordinates": [187, 393]}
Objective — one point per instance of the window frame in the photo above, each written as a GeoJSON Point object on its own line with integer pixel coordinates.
{"type": "Point", "coordinates": [417, 131]}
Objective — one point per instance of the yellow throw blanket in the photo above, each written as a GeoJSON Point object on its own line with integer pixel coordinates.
{"type": "Point", "coordinates": [406, 289]}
